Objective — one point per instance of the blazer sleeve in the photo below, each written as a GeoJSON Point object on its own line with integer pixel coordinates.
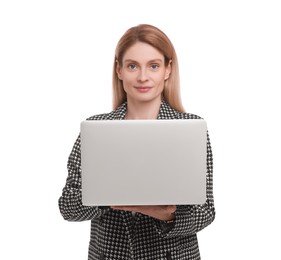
{"type": "Point", "coordinates": [70, 202]}
{"type": "Point", "coordinates": [190, 219]}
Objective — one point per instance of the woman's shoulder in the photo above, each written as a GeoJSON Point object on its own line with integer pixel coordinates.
{"type": "Point", "coordinates": [168, 112]}
{"type": "Point", "coordinates": [104, 116]}
{"type": "Point", "coordinates": [119, 113]}
{"type": "Point", "coordinates": [185, 115]}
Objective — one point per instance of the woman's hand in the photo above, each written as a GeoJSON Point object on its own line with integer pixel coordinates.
{"type": "Point", "coordinates": [164, 213]}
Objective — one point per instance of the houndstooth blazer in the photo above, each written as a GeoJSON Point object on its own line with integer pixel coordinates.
{"type": "Point", "coordinates": [120, 235]}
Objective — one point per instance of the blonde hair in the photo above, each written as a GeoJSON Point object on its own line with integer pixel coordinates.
{"type": "Point", "coordinates": [153, 36]}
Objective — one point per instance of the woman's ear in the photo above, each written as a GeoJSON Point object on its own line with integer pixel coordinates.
{"type": "Point", "coordinates": [168, 70]}
{"type": "Point", "coordinates": [118, 70]}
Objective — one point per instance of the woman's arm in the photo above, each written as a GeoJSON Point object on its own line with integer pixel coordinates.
{"type": "Point", "coordinates": [70, 202]}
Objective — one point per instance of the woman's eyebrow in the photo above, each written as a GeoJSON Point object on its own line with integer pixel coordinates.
{"type": "Point", "coordinates": [150, 61]}
{"type": "Point", "coordinates": [129, 60]}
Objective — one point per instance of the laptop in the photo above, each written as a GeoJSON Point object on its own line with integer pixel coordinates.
{"type": "Point", "coordinates": [143, 162]}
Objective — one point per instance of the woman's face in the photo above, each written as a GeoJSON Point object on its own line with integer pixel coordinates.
{"type": "Point", "coordinates": [143, 73]}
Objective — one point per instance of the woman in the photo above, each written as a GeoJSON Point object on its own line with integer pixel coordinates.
{"type": "Point", "coordinates": [145, 86]}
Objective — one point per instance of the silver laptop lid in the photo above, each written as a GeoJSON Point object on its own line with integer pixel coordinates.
{"type": "Point", "coordinates": [143, 162]}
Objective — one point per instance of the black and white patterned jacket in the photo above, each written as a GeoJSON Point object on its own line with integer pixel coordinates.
{"type": "Point", "coordinates": [119, 234]}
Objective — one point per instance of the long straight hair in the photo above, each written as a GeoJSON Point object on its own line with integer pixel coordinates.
{"type": "Point", "coordinates": [156, 38]}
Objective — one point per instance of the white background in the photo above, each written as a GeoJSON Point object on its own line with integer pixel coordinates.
{"type": "Point", "coordinates": [56, 62]}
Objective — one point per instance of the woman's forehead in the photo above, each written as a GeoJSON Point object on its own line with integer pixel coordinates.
{"type": "Point", "coordinates": [142, 52]}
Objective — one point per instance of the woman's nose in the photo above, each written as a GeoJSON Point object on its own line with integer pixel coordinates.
{"type": "Point", "coordinates": [142, 75]}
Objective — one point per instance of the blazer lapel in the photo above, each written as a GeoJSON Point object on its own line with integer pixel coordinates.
{"type": "Point", "coordinates": [166, 112]}
{"type": "Point", "coordinates": [119, 113]}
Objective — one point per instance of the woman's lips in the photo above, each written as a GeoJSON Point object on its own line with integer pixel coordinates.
{"type": "Point", "coordinates": [143, 89]}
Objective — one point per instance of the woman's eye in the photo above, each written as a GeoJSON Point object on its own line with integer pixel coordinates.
{"type": "Point", "coordinates": [154, 66]}
{"type": "Point", "coordinates": [132, 66]}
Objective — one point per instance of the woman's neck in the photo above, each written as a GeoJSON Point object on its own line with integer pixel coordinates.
{"type": "Point", "coordinates": [143, 110]}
